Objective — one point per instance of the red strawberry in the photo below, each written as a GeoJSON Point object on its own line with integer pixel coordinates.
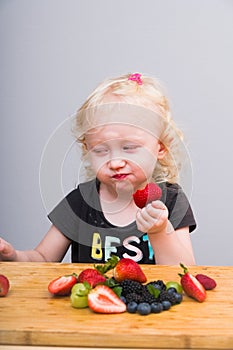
{"type": "Point", "coordinates": [92, 276]}
{"type": "Point", "coordinates": [4, 285]}
{"type": "Point", "coordinates": [192, 286]}
{"type": "Point", "coordinates": [62, 285]}
{"type": "Point", "coordinates": [128, 269]}
{"type": "Point", "coordinates": [103, 300]}
{"type": "Point", "coordinates": [151, 192]}
{"type": "Point", "coordinates": [207, 282]}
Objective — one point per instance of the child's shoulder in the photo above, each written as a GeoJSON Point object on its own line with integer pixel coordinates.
{"type": "Point", "coordinates": [168, 186]}
{"type": "Point", "coordinates": [172, 192]}
{"type": "Point", "coordinates": [88, 185]}
{"type": "Point", "coordinates": [83, 196]}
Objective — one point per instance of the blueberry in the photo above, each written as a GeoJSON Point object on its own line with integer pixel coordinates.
{"type": "Point", "coordinates": [156, 307]}
{"type": "Point", "coordinates": [132, 307]}
{"type": "Point", "coordinates": [123, 299]}
{"type": "Point", "coordinates": [166, 305]}
{"type": "Point", "coordinates": [144, 308]}
{"type": "Point", "coordinates": [179, 298]}
{"type": "Point", "coordinates": [171, 290]}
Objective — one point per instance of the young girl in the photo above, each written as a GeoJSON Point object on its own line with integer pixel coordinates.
{"type": "Point", "coordinates": [128, 140]}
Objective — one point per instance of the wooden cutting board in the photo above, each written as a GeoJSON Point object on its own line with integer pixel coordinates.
{"type": "Point", "coordinates": [30, 315]}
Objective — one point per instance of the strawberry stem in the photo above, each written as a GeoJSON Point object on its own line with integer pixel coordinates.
{"type": "Point", "coordinates": [184, 268]}
{"type": "Point", "coordinates": [108, 265]}
{"type": "Point", "coordinates": [72, 274]}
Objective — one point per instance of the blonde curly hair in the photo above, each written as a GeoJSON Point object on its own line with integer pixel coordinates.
{"type": "Point", "coordinates": [149, 94]}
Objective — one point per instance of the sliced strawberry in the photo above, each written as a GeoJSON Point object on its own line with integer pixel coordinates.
{"type": "Point", "coordinates": [4, 285]}
{"type": "Point", "coordinates": [150, 193]}
{"type": "Point", "coordinates": [207, 282]}
{"type": "Point", "coordinates": [192, 286]}
{"type": "Point", "coordinates": [102, 299]}
{"type": "Point", "coordinates": [92, 276]}
{"type": "Point", "coordinates": [62, 285]}
{"type": "Point", "coordinates": [128, 269]}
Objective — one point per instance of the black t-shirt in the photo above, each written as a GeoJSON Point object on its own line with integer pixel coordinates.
{"type": "Point", "coordinates": [80, 218]}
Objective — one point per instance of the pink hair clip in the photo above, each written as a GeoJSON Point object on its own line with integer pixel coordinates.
{"type": "Point", "coordinates": [136, 77]}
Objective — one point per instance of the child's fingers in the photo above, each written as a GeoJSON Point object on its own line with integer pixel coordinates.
{"type": "Point", "coordinates": [147, 217]}
{"type": "Point", "coordinates": [5, 248]}
{"type": "Point", "coordinates": [148, 212]}
{"type": "Point", "coordinates": [155, 210]}
{"type": "Point", "coordinates": [158, 205]}
{"type": "Point", "coordinates": [153, 215]}
{"type": "Point", "coordinates": [1, 245]}
{"type": "Point", "coordinates": [142, 224]}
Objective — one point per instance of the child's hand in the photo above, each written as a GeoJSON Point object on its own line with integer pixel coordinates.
{"type": "Point", "coordinates": [153, 218]}
{"type": "Point", "coordinates": [7, 252]}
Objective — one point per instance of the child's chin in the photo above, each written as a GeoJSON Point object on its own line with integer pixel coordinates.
{"type": "Point", "coordinates": [125, 185]}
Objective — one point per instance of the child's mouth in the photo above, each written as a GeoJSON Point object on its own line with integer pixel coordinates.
{"type": "Point", "coordinates": [120, 176]}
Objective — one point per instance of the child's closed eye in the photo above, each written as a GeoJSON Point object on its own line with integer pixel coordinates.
{"type": "Point", "coordinates": [131, 147]}
{"type": "Point", "coordinates": [100, 150]}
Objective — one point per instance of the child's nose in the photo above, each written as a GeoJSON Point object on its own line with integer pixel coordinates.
{"type": "Point", "coordinates": [116, 163]}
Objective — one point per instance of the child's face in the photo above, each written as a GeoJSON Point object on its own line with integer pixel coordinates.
{"type": "Point", "coordinates": [123, 156]}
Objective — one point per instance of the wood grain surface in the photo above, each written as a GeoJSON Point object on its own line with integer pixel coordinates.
{"type": "Point", "coordinates": [30, 315]}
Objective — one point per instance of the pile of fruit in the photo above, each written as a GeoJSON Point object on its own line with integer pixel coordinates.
{"type": "Point", "coordinates": [127, 289]}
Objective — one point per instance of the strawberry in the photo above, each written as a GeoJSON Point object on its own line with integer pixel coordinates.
{"type": "Point", "coordinates": [4, 285]}
{"type": "Point", "coordinates": [128, 269]}
{"type": "Point", "coordinates": [192, 286]}
{"type": "Point", "coordinates": [207, 282]}
{"type": "Point", "coordinates": [92, 276]}
{"type": "Point", "coordinates": [62, 285]}
{"type": "Point", "coordinates": [150, 193]}
{"type": "Point", "coordinates": [103, 300]}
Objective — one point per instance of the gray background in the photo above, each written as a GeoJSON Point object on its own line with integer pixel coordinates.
{"type": "Point", "coordinates": [55, 52]}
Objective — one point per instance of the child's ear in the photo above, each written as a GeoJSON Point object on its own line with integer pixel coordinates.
{"type": "Point", "coordinates": [162, 151]}
{"type": "Point", "coordinates": [84, 146]}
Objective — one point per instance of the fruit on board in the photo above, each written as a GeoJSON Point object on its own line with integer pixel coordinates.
{"type": "Point", "coordinates": [137, 296]}
{"type": "Point", "coordinates": [78, 301]}
{"type": "Point", "coordinates": [102, 299]}
{"type": "Point", "coordinates": [4, 285]}
{"type": "Point", "coordinates": [191, 286]}
{"type": "Point", "coordinates": [81, 289]}
{"type": "Point", "coordinates": [126, 290]}
{"type": "Point", "coordinates": [156, 308]}
{"type": "Point", "coordinates": [132, 307]}
{"type": "Point", "coordinates": [150, 193]}
{"type": "Point", "coordinates": [144, 309]}
{"type": "Point", "coordinates": [176, 285]}
{"type": "Point", "coordinates": [62, 285]}
{"type": "Point", "coordinates": [79, 295]}
{"type": "Point", "coordinates": [207, 282]}
{"type": "Point", "coordinates": [127, 268]}
{"type": "Point", "coordinates": [92, 276]}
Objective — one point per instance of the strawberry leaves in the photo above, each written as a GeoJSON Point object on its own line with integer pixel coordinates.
{"type": "Point", "coordinates": [154, 291]}
{"type": "Point", "coordinates": [108, 265]}
{"type": "Point", "coordinates": [114, 285]}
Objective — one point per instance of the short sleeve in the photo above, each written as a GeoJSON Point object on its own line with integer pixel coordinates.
{"type": "Point", "coordinates": [180, 211]}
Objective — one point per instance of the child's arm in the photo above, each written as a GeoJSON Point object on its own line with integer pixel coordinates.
{"type": "Point", "coordinates": [52, 248]}
{"type": "Point", "coordinates": [170, 246]}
